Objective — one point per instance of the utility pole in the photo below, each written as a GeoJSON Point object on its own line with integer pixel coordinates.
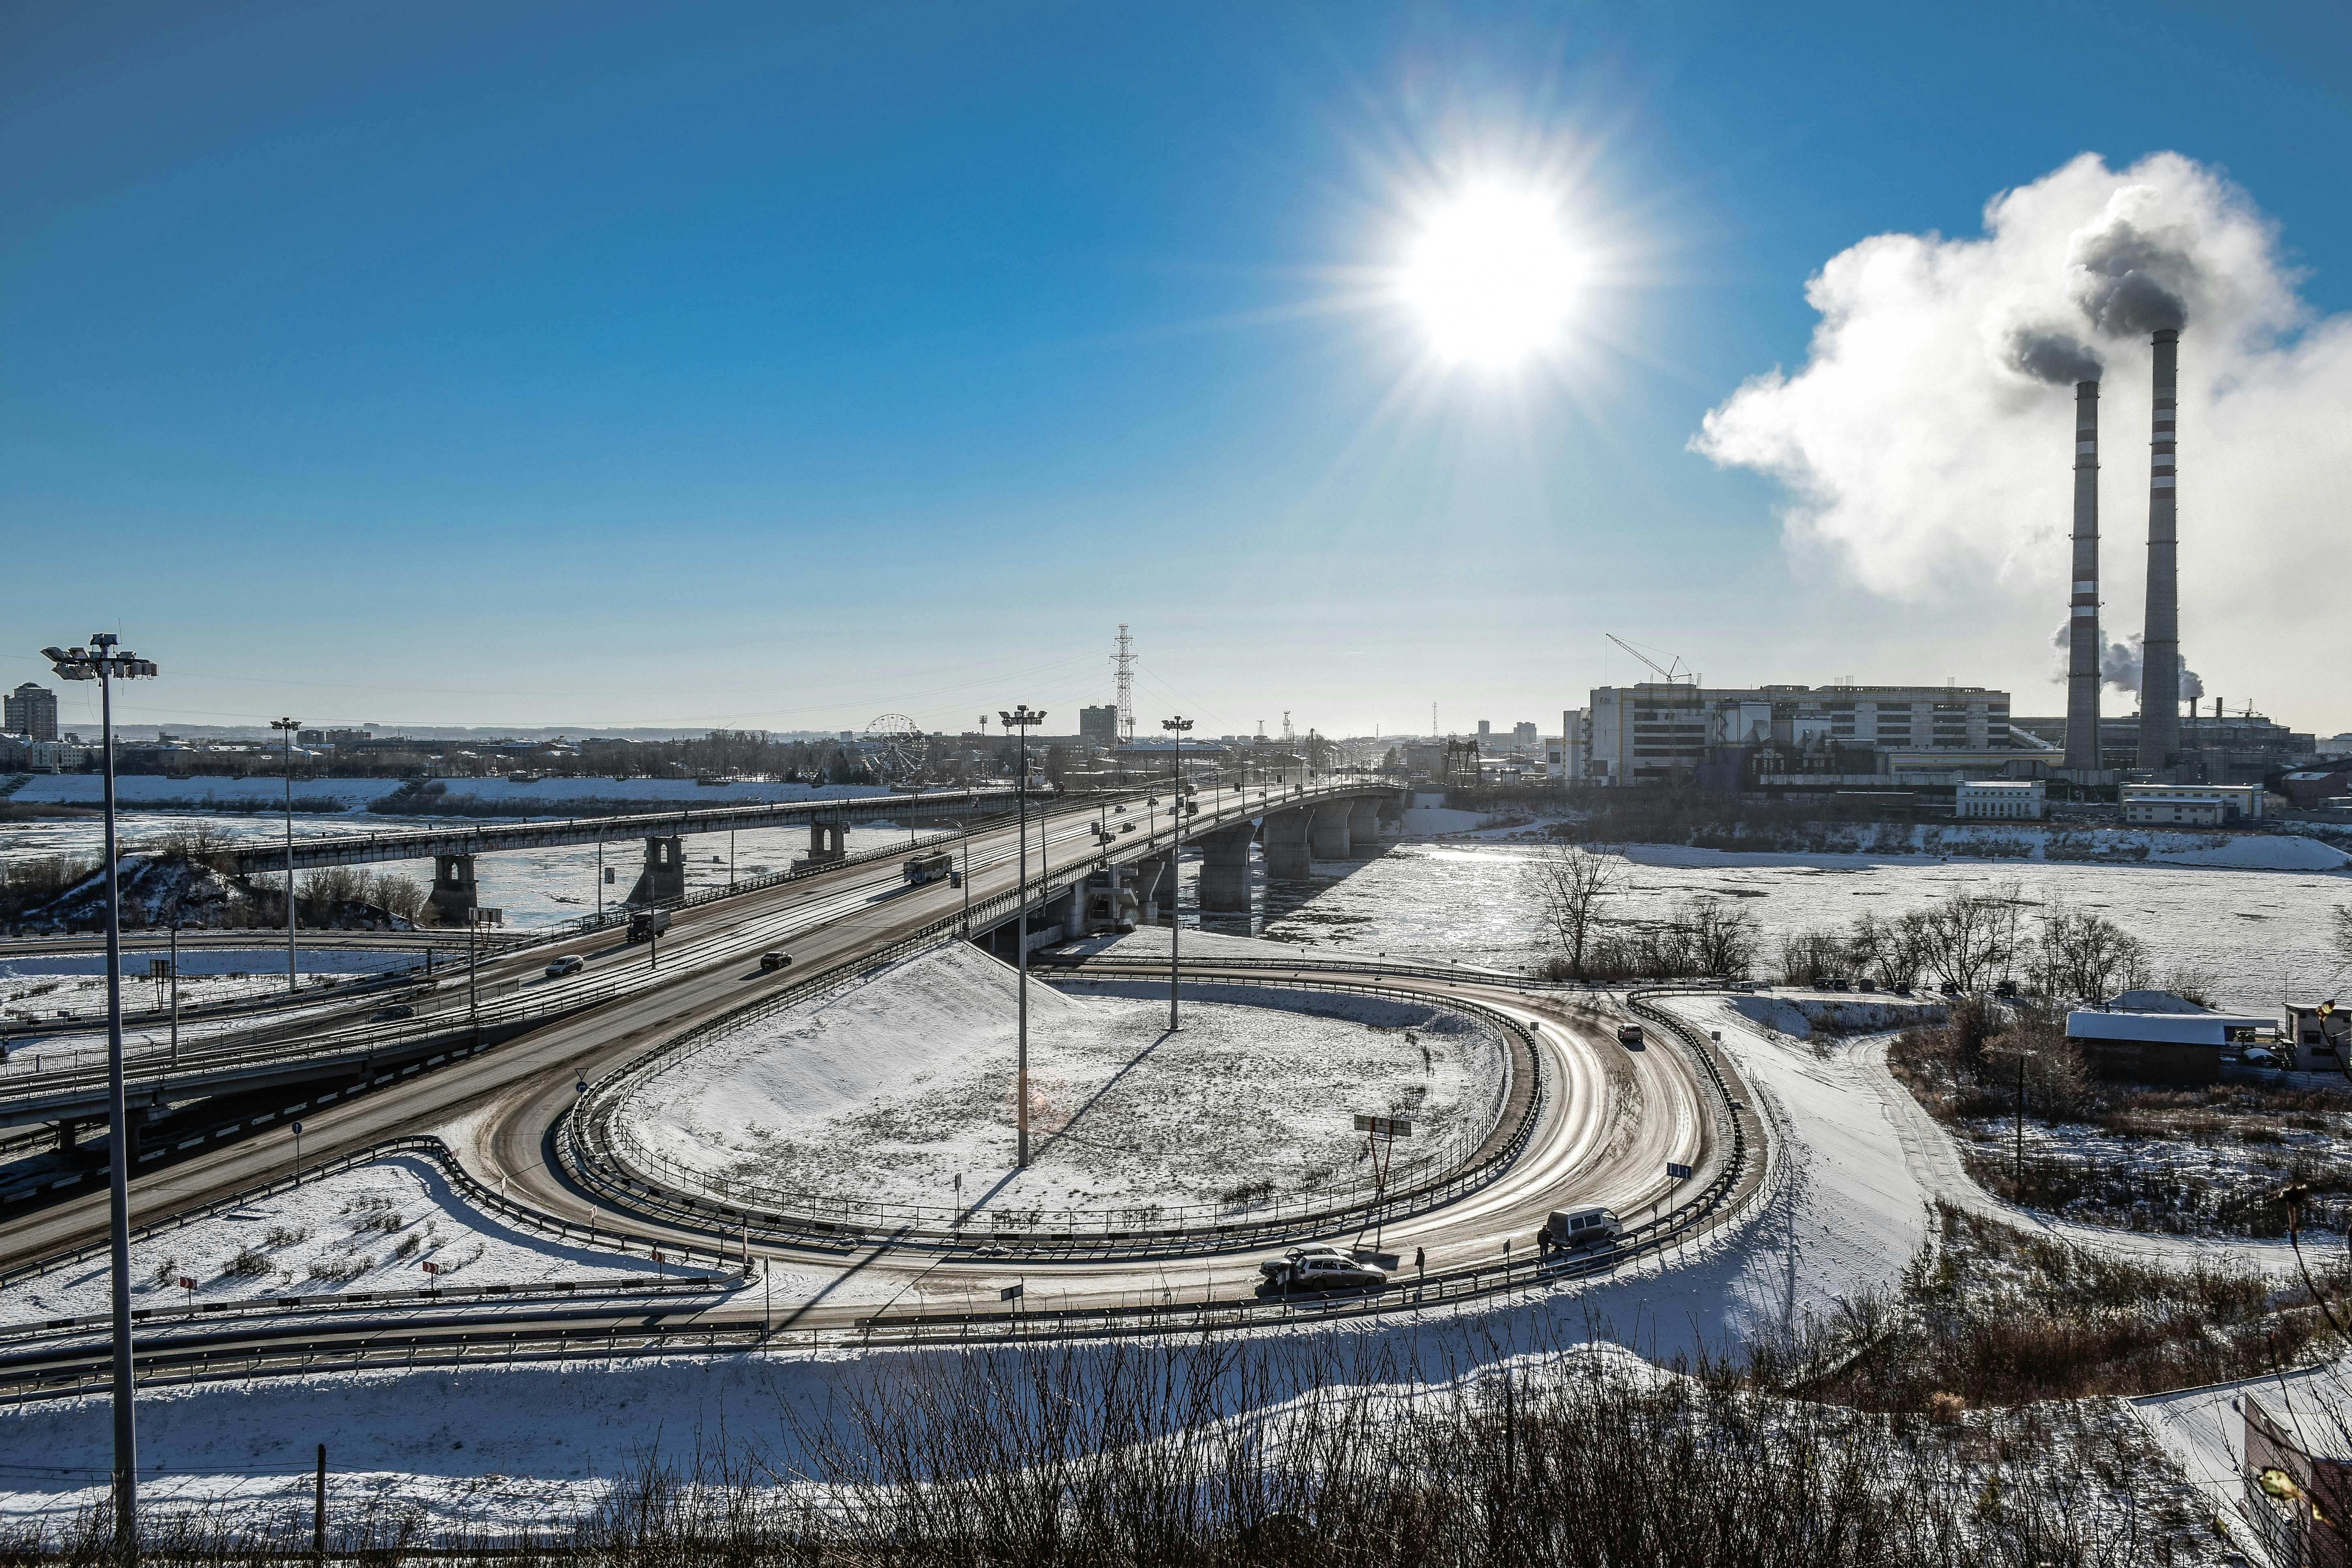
{"type": "Point", "coordinates": [288, 727]}
{"type": "Point", "coordinates": [1176, 727]}
{"type": "Point", "coordinates": [101, 663]}
{"type": "Point", "coordinates": [176, 983]}
{"type": "Point", "coordinates": [1123, 662]}
{"type": "Point", "coordinates": [1021, 718]}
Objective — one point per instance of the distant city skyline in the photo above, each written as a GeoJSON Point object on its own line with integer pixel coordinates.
{"type": "Point", "coordinates": [590, 367]}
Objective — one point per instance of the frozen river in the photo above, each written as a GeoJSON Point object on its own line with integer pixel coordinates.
{"type": "Point", "coordinates": [2257, 934]}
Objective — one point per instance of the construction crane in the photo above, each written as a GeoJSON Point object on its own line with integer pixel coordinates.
{"type": "Point", "coordinates": [1675, 673]}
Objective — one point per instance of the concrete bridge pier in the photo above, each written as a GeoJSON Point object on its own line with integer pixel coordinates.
{"type": "Point", "coordinates": [828, 844]}
{"type": "Point", "coordinates": [1225, 872]}
{"type": "Point", "coordinates": [663, 877]}
{"type": "Point", "coordinates": [1329, 835]}
{"type": "Point", "coordinates": [1290, 843]}
{"type": "Point", "coordinates": [1154, 884]}
{"type": "Point", "coordinates": [1364, 829]}
{"type": "Point", "coordinates": [453, 898]}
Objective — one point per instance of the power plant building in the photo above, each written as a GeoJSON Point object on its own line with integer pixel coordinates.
{"type": "Point", "coordinates": [1721, 737]}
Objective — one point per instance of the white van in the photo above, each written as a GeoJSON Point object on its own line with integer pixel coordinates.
{"type": "Point", "coordinates": [1575, 1230]}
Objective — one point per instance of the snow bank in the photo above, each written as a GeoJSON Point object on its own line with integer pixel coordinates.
{"type": "Point", "coordinates": [2264, 852]}
{"type": "Point", "coordinates": [1798, 1014]}
{"type": "Point", "coordinates": [369, 1228]}
{"type": "Point", "coordinates": [893, 1088]}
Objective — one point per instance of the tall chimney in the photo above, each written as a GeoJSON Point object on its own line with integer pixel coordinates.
{"type": "Point", "coordinates": [2082, 645]}
{"type": "Point", "coordinates": [2159, 674]}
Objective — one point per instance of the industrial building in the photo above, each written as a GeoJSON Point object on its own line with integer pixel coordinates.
{"type": "Point", "coordinates": [1732, 738]}
{"type": "Point", "coordinates": [1098, 726]}
{"type": "Point", "coordinates": [2011, 800]}
{"type": "Point", "coordinates": [2191, 805]}
{"type": "Point", "coordinates": [2244, 747]}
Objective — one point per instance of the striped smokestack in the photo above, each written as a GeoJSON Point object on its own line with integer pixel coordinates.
{"type": "Point", "coordinates": [2082, 646]}
{"type": "Point", "coordinates": [2159, 675]}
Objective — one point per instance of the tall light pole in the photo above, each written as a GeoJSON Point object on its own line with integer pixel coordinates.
{"type": "Point", "coordinates": [288, 727]}
{"type": "Point", "coordinates": [1176, 727]}
{"type": "Point", "coordinates": [1021, 718]}
{"type": "Point", "coordinates": [101, 663]}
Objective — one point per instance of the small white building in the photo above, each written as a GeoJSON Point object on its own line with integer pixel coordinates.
{"type": "Point", "coordinates": [2014, 800]}
{"type": "Point", "coordinates": [2191, 805]}
{"type": "Point", "coordinates": [2313, 1041]}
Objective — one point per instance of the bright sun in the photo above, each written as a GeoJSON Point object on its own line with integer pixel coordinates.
{"type": "Point", "coordinates": [1492, 274]}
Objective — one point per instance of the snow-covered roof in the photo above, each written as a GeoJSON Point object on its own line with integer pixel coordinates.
{"type": "Point", "coordinates": [2201, 1029]}
{"type": "Point", "coordinates": [2153, 1002]}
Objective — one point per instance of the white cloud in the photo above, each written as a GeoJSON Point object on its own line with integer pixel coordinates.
{"type": "Point", "coordinates": [1924, 462]}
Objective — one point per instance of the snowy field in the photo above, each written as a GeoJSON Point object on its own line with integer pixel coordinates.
{"type": "Point", "coordinates": [894, 1089]}
{"type": "Point", "coordinates": [373, 1227]}
{"type": "Point", "coordinates": [1844, 1212]}
{"type": "Point", "coordinates": [2259, 934]}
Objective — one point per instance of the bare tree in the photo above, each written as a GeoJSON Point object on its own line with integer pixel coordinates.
{"type": "Point", "coordinates": [1971, 938]}
{"type": "Point", "coordinates": [2087, 957]}
{"type": "Point", "coordinates": [1571, 883]}
{"type": "Point", "coordinates": [1894, 951]}
{"type": "Point", "coordinates": [1723, 938]}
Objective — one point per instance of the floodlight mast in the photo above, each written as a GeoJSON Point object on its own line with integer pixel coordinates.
{"type": "Point", "coordinates": [1021, 717]}
{"type": "Point", "coordinates": [1176, 728]}
{"type": "Point", "coordinates": [288, 728]}
{"type": "Point", "coordinates": [99, 662]}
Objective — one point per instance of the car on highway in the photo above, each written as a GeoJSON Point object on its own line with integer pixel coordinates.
{"type": "Point", "coordinates": [1578, 1230]}
{"type": "Point", "coordinates": [1319, 1269]}
{"type": "Point", "coordinates": [570, 964]}
{"type": "Point", "coordinates": [1630, 1037]}
{"type": "Point", "coordinates": [386, 1015]}
{"type": "Point", "coordinates": [775, 961]}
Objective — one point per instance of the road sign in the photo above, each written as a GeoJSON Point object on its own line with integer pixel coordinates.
{"type": "Point", "coordinates": [1009, 1293]}
{"type": "Point", "coordinates": [159, 969]}
{"type": "Point", "coordinates": [1678, 1173]}
{"type": "Point", "coordinates": [1384, 1126]}
{"type": "Point", "coordinates": [430, 1267]}
{"type": "Point", "coordinates": [485, 916]}
{"type": "Point", "coordinates": [294, 1128]}
{"type": "Point", "coordinates": [186, 1283]}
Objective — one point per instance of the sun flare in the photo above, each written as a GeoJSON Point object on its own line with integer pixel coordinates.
{"type": "Point", "coordinates": [1493, 274]}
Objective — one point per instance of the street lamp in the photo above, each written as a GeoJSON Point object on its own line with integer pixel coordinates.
{"type": "Point", "coordinates": [102, 663]}
{"type": "Point", "coordinates": [1176, 728]}
{"type": "Point", "coordinates": [288, 727]}
{"type": "Point", "coordinates": [1021, 718]}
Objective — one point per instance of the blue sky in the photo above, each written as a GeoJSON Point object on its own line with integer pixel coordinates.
{"type": "Point", "coordinates": [785, 365]}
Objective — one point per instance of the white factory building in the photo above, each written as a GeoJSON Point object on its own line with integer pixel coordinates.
{"type": "Point", "coordinates": [2191, 805]}
{"type": "Point", "coordinates": [1658, 730]}
{"type": "Point", "coordinates": [2014, 800]}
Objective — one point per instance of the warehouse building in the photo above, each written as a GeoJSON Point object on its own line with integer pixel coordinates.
{"type": "Point", "coordinates": [2011, 800]}
{"type": "Point", "coordinates": [2191, 805]}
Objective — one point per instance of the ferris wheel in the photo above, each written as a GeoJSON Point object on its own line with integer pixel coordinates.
{"type": "Point", "coordinates": [896, 744]}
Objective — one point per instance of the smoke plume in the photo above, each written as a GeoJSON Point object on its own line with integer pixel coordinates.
{"type": "Point", "coordinates": [2055, 357]}
{"type": "Point", "coordinates": [2128, 280]}
{"type": "Point", "coordinates": [1919, 453]}
{"type": "Point", "coordinates": [2120, 664]}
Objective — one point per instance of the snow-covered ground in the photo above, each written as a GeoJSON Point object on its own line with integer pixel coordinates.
{"type": "Point", "coordinates": [894, 1089]}
{"type": "Point", "coordinates": [2260, 934]}
{"type": "Point", "coordinates": [372, 1227]}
